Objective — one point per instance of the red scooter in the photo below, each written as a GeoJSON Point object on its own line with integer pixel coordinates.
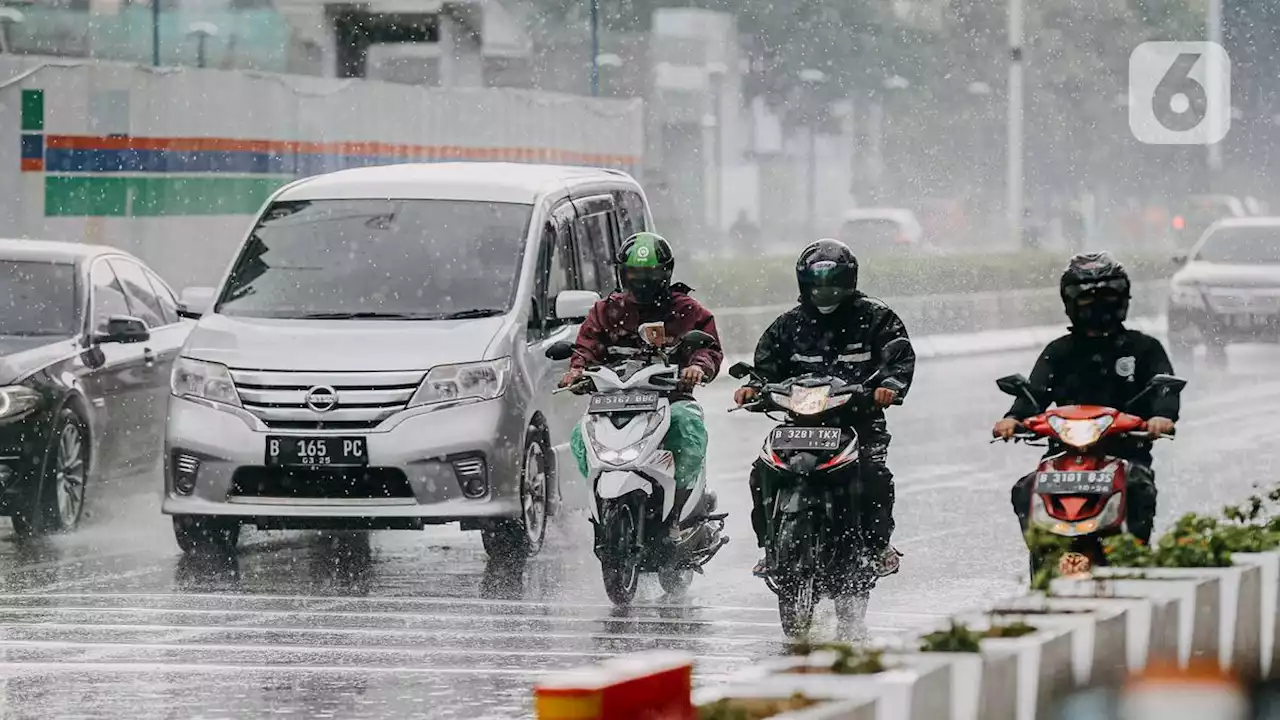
{"type": "Point", "coordinates": [1080, 492]}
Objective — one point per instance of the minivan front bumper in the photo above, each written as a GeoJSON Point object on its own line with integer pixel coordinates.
{"type": "Point", "coordinates": [219, 452]}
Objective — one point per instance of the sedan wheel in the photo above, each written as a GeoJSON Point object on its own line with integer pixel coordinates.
{"type": "Point", "coordinates": [55, 502]}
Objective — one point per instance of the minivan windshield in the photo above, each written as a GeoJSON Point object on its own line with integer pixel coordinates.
{"type": "Point", "coordinates": [1242, 246]}
{"type": "Point", "coordinates": [38, 298]}
{"type": "Point", "coordinates": [379, 259]}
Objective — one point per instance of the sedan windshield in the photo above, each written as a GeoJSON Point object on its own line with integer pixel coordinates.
{"type": "Point", "coordinates": [1242, 246]}
{"type": "Point", "coordinates": [379, 259]}
{"type": "Point", "coordinates": [37, 298]}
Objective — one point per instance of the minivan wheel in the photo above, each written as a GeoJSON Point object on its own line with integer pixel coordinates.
{"type": "Point", "coordinates": [198, 535]}
{"type": "Point", "coordinates": [55, 501]}
{"type": "Point", "coordinates": [522, 538]}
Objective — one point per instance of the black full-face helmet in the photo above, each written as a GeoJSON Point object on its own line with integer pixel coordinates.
{"type": "Point", "coordinates": [827, 272]}
{"type": "Point", "coordinates": [645, 263]}
{"type": "Point", "coordinates": [1095, 291]}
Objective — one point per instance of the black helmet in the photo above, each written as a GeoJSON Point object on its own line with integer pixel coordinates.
{"type": "Point", "coordinates": [1095, 292]}
{"type": "Point", "coordinates": [645, 263]}
{"type": "Point", "coordinates": [827, 273]}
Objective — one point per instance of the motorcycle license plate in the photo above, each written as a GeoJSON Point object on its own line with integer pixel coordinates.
{"type": "Point", "coordinates": [631, 401]}
{"type": "Point", "coordinates": [805, 438]}
{"type": "Point", "coordinates": [1073, 483]}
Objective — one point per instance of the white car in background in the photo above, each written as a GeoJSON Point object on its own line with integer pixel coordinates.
{"type": "Point", "coordinates": [881, 230]}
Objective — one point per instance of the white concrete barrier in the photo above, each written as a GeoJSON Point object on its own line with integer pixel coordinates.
{"type": "Point", "coordinates": [1152, 623]}
{"type": "Point", "coordinates": [1199, 602]}
{"type": "Point", "coordinates": [864, 708]}
{"type": "Point", "coordinates": [1269, 564]}
{"type": "Point", "coordinates": [984, 685]}
{"type": "Point", "coordinates": [1240, 607]}
{"type": "Point", "coordinates": [913, 688]}
{"type": "Point", "coordinates": [1044, 667]}
{"type": "Point", "coordinates": [1099, 633]}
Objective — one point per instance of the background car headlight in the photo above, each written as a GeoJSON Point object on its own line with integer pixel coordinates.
{"type": "Point", "coordinates": [1185, 295]}
{"type": "Point", "coordinates": [481, 381]}
{"type": "Point", "coordinates": [16, 401]}
{"type": "Point", "coordinates": [196, 378]}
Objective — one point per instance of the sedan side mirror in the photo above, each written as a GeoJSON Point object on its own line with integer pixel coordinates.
{"type": "Point", "coordinates": [195, 302]}
{"type": "Point", "coordinates": [123, 329]}
{"type": "Point", "coordinates": [574, 305]}
{"type": "Point", "coordinates": [562, 350]}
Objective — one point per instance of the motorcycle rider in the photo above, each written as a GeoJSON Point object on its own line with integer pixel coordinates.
{"type": "Point", "coordinates": [838, 330]}
{"type": "Point", "coordinates": [1100, 362]}
{"type": "Point", "coordinates": [645, 264]}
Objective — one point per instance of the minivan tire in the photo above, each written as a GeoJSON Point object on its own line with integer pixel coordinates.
{"type": "Point", "coordinates": [521, 538]}
{"type": "Point", "coordinates": [54, 501]}
{"type": "Point", "coordinates": [198, 535]}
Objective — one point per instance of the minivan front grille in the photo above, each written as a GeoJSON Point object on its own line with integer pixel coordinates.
{"type": "Point", "coordinates": [348, 400]}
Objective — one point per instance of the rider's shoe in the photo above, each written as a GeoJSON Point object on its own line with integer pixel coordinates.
{"type": "Point", "coordinates": [762, 568]}
{"type": "Point", "coordinates": [889, 562]}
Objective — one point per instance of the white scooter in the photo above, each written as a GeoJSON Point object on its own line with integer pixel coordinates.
{"type": "Point", "coordinates": [634, 477]}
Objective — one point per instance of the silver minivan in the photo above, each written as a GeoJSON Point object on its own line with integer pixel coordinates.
{"type": "Point", "coordinates": [374, 355]}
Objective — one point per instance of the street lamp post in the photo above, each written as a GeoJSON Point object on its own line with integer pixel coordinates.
{"type": "Point", "coordinates": [812, 78]}
{"type": "Point", "coordinates": [155, 33]}
{"type": "Point", "coordinates": [716, 72]}
{"type": "Point", "coordinates": [1013, 179]}
{"type": "Point", "coordinates": [8, 18]}
{"type": "Point", "coordinates": [1213, 151]}
{"type": "Point", "coordinates": [595, 48]}
{"type": "Point", "coordinates": [202, 31]}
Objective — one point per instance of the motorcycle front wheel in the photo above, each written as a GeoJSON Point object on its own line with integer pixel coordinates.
{"type": "Point", "coordinates": [796, 585]}
{"type": "Point", "coordinates": [620, 556]}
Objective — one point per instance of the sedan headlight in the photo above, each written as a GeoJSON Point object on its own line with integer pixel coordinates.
{"type": "Point", "coordinates": [1080, 433]}
{"type": "Point", "coordinates": [16, 401]}
{"type": "Point", "coordinates": [200, 379]}
{"type": "Point", "coordinates": [1185, 295]}
{"type": "Point", "coordinates": [480, 381]}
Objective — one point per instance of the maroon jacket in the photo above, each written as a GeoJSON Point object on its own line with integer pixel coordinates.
{"type": "Point", "coordinates": [615, 321]}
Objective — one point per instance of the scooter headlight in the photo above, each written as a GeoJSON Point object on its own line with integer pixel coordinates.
{"type": "Point", "coordinates": [1080, 433]}
{"type": "Point", "coordinates": [809, 400]}
{"type": "Point", "coordinates": [629, 453]}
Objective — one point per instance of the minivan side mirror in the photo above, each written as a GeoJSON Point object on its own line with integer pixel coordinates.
{"type": "Point", "coordinates": [194, 302]}
{"type": "Point", "coordinates": [562, 350]}
{"type": "Point", "coordinates": [1180, 258]}
{"type": "Point", "coordinates": [575, 305]}
{"type": "Point", "coordinates": [123, 329]}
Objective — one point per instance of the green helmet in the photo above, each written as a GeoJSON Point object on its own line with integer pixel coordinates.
{"type": "Point", "coordinates": [645, 263]}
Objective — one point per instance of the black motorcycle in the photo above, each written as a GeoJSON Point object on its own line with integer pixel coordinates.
{"type": "Point", "coordinates": [814, 544]}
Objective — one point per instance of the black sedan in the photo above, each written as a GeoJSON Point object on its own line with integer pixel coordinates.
{"type": "Point", "coordinates": [88, 335]}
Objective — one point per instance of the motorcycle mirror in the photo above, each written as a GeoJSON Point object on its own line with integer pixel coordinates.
{"type": "Point", "coordinates": [740, 370]}
{"type": "Point", "coordinates": [1157, 383]}
{"type": "Point", "coordinates": [562, 350]}
{"type": "Point", "coordinates": [1013, 384]}
{"type": "Point", "coordinates": [696, 340]}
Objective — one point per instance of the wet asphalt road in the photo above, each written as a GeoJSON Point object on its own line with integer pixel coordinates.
{"type": "Point", "coordinates": [112, 622]}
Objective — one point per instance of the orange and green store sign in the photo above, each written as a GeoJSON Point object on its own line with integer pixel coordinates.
{"type": "Point", "coordinates": [133, 176]}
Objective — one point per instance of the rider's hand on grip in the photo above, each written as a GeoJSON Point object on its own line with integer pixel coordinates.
{"type": "Point", "coordinates": [1005, 428]}
{"type": "Point", "coordinates": [745, 395]}
{"type": "Point", "coordinates": [691, 376]}
{"type": "Point", "coordinates": [884, 397]}
{"type": "Point", "coordinates": [571, 377]}
{"type": "Point", "coordinates": [1159, 426]}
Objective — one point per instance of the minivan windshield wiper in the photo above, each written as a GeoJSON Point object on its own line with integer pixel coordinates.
{"type": "Point", "coordinates": [465, 314]}
{"type": "Point", "coordinates": [364, 315]}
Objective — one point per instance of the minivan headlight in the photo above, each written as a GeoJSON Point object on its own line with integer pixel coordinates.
{"type": "Point", "coordinates": [479, 380]}
{"type": "Point", "coordinates": [16, 401]}
{"type": "Point", "coordinates": [200, 379]}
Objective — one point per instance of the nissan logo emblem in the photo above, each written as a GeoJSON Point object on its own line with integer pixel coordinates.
{"type": "Point", "coordinates": [322, 398]}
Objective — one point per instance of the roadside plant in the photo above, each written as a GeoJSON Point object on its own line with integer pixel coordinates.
{"type": "Point", "coordinates": [752, 708]}
{"type": "Point", "coordinates": [848, 659]}
{"type": "Point", "coordinates": [1048, 550]}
